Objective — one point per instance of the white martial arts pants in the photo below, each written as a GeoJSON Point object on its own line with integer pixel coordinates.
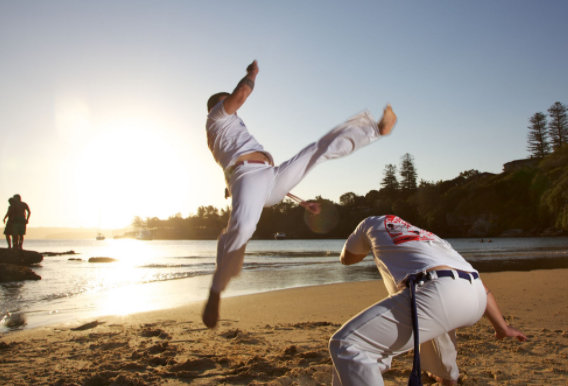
{"type": "Point", "coordinates": [255, 186]}
{"type": "Point", "coordinates": [363, 348]}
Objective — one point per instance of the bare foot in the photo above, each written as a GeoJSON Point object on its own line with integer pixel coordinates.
{"type": "Point", "coordinates": [210, 314]}
{"type": "Point", "coordinates": [388, 121]}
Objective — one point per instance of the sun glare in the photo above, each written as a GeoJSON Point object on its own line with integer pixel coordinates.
{"type": "Point", "coordinates": [125, 169]}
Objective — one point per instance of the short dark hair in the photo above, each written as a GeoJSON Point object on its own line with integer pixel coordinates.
{"type": "Point", "coordinates": [214, 99]}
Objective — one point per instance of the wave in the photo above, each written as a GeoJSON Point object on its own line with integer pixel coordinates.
{"type": "Point", "coordinates": [293, 253]}
{"type": "Point", "coordinates": [499, 255]}
{"type": "Point", "coordinates": [278, 253]}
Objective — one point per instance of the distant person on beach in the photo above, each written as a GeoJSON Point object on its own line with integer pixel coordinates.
{"type": "Point", "coordinates": [8, 227]}
{"type": "Point", "coordinates": [252, 179]}
{"type": "Point", "coordinates": [19, 214]}
{"type": "Point", "coordinates": [449, 295]}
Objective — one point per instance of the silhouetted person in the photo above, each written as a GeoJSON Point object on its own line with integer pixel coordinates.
{"type": "Point", "coordinates": [20, 215]}
{"type": "Point", "coordinates": [8, 227]}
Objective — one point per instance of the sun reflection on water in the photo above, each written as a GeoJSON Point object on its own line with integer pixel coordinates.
{"type": "Point", "coordinates": [116, 288]}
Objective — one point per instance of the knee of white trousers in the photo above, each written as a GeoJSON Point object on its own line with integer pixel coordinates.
{"type": "Point", "coordinates": [237, 235]}
{"type": "Point", "coordinates": [230, 255]}
{"type": "Point", "coordinates": [354, 366]}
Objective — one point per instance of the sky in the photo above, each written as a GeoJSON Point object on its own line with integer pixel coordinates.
{"type": "Point", "coordinates": [102, 104]}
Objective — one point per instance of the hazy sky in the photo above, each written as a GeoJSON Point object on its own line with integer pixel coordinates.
{"type": "Point", "coordinates": [102, 103]}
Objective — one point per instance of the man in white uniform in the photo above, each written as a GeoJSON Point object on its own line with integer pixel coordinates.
{"type": "Point", "coordinates": [451, 296]}
{"type": "Point", "coordinates": [253, 180]}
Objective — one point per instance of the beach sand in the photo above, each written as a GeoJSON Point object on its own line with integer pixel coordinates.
{"type": "Point", "coordinates": [280, 338]}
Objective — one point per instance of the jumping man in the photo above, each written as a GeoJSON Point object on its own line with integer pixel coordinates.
{"type": "Point", "coordinates": [252, 179]}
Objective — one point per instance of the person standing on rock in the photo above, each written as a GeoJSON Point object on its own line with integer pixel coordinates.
{"type": "Point", "coordinates": [20, 215]}
{"type": "Point", "coordinates": [8, 227]}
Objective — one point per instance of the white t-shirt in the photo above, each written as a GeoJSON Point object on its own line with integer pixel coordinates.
{"type": "Point", "coordinates": [401, 249]}
{"type": "Point", "coordinates": [228, 137]}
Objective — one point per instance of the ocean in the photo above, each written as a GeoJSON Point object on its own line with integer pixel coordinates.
{"type": "Point", "coordinates": [161, 274]}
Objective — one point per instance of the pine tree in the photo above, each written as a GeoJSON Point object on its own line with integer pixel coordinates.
{"type": "Point", "coordinates": [408, 173]}
{"type": "Point", "coordinates": [558, 125]}
{"type": "Point", "coordinates": [538, 144]}
{"type": "Point", "coordinates": [390, 182]}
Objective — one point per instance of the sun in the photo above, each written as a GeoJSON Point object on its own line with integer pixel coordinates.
{"type": "Point", "coordinates": [126, 169]}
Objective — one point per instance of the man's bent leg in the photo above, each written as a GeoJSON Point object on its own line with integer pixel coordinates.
{"type": "Point", "coordinates": [363, 348]}
{"type": "Point", "coordinates": [439, 357]}
{"type": "Point", "coordinates": [249, 188]}
{"type": "Point", "coordinates": [344, 139]}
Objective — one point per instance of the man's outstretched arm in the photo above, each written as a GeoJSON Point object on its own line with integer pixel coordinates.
{"type": "Point", "coordinates": [240, 94]}
{"type": "Point", "coordinates": [502, 329]}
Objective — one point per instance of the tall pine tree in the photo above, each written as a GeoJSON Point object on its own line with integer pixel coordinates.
{"type": "Point", "coordinates": [390, 182]}
{"type": "Point", "coordinates": [558, 125]}
{"type": "Point", "coordinates": [408, 173]}
{"type": "Point", "coordinates": [538, 145]}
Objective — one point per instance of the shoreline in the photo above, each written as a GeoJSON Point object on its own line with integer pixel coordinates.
{"type": "Point", "coordinates": [281, 337]}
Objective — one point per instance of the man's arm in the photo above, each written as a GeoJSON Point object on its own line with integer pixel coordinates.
{"type": "Point", "coordinates": [240, 94]}
{"type": "Point", "coordinates": [348, 258]}
{"type": "Point", "coordinates": [29, 213]}
{"type": "Point", "coordinates": [502, 329]}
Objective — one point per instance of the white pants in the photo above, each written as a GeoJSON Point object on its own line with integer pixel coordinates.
{"type": "Point", "coordinates": [255, 186]}
{"type": "Point", "coordinates": [363, 348]}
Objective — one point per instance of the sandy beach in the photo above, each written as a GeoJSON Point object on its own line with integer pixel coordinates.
{"type": "Point", "coordinates": [280, 338]}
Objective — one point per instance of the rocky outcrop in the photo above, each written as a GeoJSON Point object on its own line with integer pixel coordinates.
{"type": "Point", "coordinates": [14, 265]}
{"type": "Point", "coordinates": [101, 260]}
{"type": "Point", "coordinates": [20, 257]}
{"type": "Point", "coordinates": [13, 272]}
{"type": "Point", "coordinates": [59, 253]}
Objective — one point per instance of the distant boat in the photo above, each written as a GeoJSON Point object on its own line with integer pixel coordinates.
{"type": "Point", "coordinates": [100, 236]}
{"type": "Point", "coordinates": [279, 236]}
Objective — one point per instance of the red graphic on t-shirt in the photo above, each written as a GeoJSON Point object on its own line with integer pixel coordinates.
{"type": "Point", "coordinates": [401, 231]}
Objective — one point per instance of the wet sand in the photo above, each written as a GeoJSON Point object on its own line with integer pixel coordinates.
{"type": "Point", "coordinates": [280, 338]}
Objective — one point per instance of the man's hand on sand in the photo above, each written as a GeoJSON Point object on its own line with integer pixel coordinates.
{"type": "Point", "coordinates": [387, 121]}
{"type": "Point", "coordinates": [510, 332]}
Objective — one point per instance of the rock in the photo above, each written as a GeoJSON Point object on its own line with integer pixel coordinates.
{"type": "Point", "coordinates": [101, 260]}
{"type": "Point", "coordinates": [71, 252]}
{"type": "Point", "coordinates": [19, 257]}
{"type": "Point", "coordinates": [87, 326]}
{"type": "Point", "coordinates": [13, 321]}
{"type": "Point", "coordinates": [12, 272]}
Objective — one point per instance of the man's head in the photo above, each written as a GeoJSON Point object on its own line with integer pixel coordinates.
{"type": "Point", "coordinates": [17, 198]}
{"type": "Point", "coordinates": [215, 98]}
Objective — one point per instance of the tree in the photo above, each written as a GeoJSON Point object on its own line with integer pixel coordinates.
{"type": "Point", "coordinates": [558, 125]}
{"type": "Point", "coordinates": [538, 144]}
{"type": "Point", "coordinates": [408, 173]}
{"type": "Point", "coordinates": [348, 199]}
{"type": "Point", "coordinates": [390, 182]}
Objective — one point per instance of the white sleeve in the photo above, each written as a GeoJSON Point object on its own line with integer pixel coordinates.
{"type": "Point", "coordinates": [218, 112]}
{"type": "Point", "coordinates": [358, 242]}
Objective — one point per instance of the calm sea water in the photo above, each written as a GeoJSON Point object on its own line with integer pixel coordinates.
{"type": "Point", "coordinates": [151, 275]}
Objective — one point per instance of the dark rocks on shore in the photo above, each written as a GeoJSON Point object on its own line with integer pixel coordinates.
{"type": "Point", "coordinates": [14, 321]}
{"type": "Point", "coordinates": [19, 257]}
{"type": "Point", "coordinates": [58, 253]}
{"type": "Point", "coordinates": [101, 260]}
{"type": "Point", "coordinates": [13, 272]}
{"type": "Point", "coordinates": [14, 265]}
